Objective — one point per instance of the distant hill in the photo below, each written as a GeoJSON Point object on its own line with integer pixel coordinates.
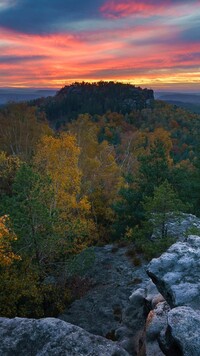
{"type": "Point", "coordinates": [19, 95]}
{"type": "Point", "coordinates": [95, 99]}
{"type": "Point", "coordinates": [188, 101]}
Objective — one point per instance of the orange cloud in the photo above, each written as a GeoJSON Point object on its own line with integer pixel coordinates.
{"type": "Point", "coordinates": [54, 60]}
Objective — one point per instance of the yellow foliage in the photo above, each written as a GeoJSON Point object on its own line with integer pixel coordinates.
{"type": "Point", "coordinates": [58, 157]}
{"type": "Point", "coordinates": [79, 234]}
{"type": "Point", "coordinates": [7, 256]}
{"type": "Point", "coordinates": [84, 205]}
{"type": "Point", "coordinates": [101, 177]}
{"type": "Point", "coordinates": [165, 137]}
{"type": "Point", "coordinates": [6, 162]}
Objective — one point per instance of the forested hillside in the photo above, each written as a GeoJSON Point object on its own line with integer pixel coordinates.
{"type": "Point", "coordinates": [95, 99]}
{"type": "Point", "coordinates": [97, 178]}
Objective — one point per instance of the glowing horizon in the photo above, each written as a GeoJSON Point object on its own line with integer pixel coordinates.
{"type": "Point", "coordinates": [148, 43]}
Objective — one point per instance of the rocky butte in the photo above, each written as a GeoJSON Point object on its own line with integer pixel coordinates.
{"type": "Point", "coordinates": [95, 99]}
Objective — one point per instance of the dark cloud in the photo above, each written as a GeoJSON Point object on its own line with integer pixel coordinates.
{"type": "Point", "coordinates": [46, 16]}
{"type": "Point", "coordinates": [18, 59]}
{"type": "Point", "coordinates": [50, 16]}
{"type": "Point", "coordinates": [186, 57]}
{"type": "Point", "coordinates": [191, 35]}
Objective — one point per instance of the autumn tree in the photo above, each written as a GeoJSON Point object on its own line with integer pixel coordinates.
{"type": "Point", "coordinates": [8, 168]}
{"type": "Point", "coordinates": [7, 237]}
{"type": "Point", "coordinates": [20, 129]}
{"type": "Point", "coordinates": [58, 158]}
{"type": "Point", "coordinates": [23, 292]}
{"type": "Point", "coordinates": [101, 177]}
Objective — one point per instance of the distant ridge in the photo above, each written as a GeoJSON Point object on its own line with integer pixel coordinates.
{"type": "Point", "coordinates": [181, 97]}
{"type": "Point", "coordinates": [23, 94]}
{"type": "Point", "coordinates": [188, 101]}
{"type": "Point", "coordinates": [96, 99]}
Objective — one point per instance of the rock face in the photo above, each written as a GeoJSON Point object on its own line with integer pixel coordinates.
{"type": "Point", "coordinates": [123, 305]}
{"type": "Point", "coordinates": [156, 326]}
{"type": "Point", "coordinates": [50, 336]}
{"type": "Point", "coordinates": [122, 296]}
{"type": "Point", "coordinates": [131, 336]}
{"type": "Point", "coordinates": [184, 329]}
{"type": "Point", "coordinates": [177, 273]}
{"type": "Point", "coordinates": [106, 309]}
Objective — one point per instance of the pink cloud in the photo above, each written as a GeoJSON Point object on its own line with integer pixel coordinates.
{"type": "Point", "coordinates": [66, 57]}
{"type": "Point", "coordinates": [123, 8]}
{"type": "Point", "coordinates": [145, 8]}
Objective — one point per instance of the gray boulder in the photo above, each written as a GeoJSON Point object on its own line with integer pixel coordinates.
{"type": "Point", "coordinates": [176, 273]}
{"type": "Point", "coordinates": [132, 335]}
{"type": "Point", "coordinates": [50, 336]}
{"type": "Point", "coordinates": [184, 330]}
{"type": "Point", "coordinates": [156, 326]}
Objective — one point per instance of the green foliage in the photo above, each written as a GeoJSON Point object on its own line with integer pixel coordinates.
{"type": "Point", "coordinates": [145, 244]}
{"type": "Point", "coordinates": [194, 230]}
{"type": "Point", "coordinates": [195, 183]}
{"type": "Point", "coordinates": [164, 205]}
{"type": "Point", "coordinates": [30, 213]}
{"type": "Point", "coordinates": [128, 209]}
{"type": "Point", "coordinates": [81, 263]}
{"type": "Point", "coordinates": [8, 168]}
{"type": "Point", "coordinates": [154, 168]}
{"type": "Point", "coordinates": [154, 248]}
{"type": "Point", "coordinates": [152, 237]}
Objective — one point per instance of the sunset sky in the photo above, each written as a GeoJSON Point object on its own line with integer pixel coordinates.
{"type": "Point", "coordinates": [50, 43]}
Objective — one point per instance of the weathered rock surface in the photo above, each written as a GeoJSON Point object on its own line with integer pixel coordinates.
{"type": "Point", "coordinates": [156, 326]}
{"type": "Point", "coordinates": [179, 226]}
{"type": "Point", "coordinates": [184, 330]}
{"type": "Point", "coordinates": [176, 273]}
{"type": "Point", "coordinates": [106, 309]}
{"type": "Point", "coordinates": [51, 336]}
{"type": "Point", "coordinates": [114, 279]}
{"type": "Point", "coordinates": [141, 302]}
{"type": "Point", "coordinates": [123, 305]}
